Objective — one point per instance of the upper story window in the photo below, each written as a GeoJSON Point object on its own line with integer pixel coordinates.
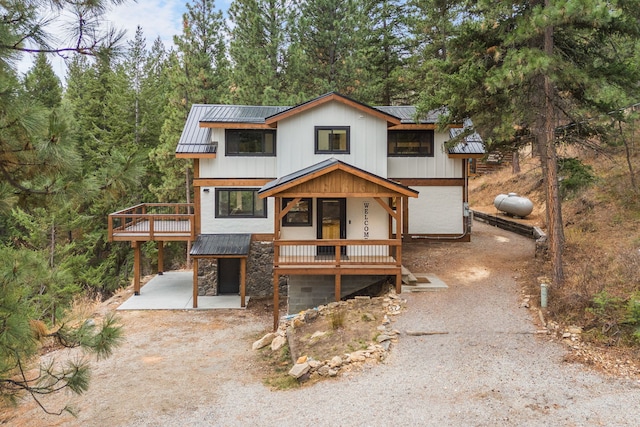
{"type": "Point", "coordinates": [332, 139]}
{"type": "Point", "coordinates": [410, 143]}
{"type": "Point", "coordinates": [299, 215]}
{"type": "Point", "coordinates": [240, 203]}
{"type": "Point", "coordinates": [250, 142]}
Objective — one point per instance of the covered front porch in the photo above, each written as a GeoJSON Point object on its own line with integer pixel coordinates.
{"type": "Point", "coordinates": [349, 223]}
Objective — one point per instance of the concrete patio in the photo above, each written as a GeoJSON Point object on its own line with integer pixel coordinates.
{"type": "Point", "coordinates": [174, 291]}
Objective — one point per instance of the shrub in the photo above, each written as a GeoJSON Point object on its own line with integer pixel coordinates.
{"type": "Point", "coordinates": [574, 176]}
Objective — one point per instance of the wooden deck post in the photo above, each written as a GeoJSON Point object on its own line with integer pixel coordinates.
{"type": "Point", "coordinates": [276, 300]}
{"type": "Point", "coordinates": [195, 283]}
{"type": "Point", "coordinates": [338, 286]}
{"type": "Point", "coordinates": [243, 280]}
{"type": "Point", "coordinates": [160, 257]}
{"type": "Point", "coordinates": [136, 267]}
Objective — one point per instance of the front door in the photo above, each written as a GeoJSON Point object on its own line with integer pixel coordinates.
{"type": "Point", "coordinates": [228, 276]}
{"type": "Point", "coordinates": [332, 215]}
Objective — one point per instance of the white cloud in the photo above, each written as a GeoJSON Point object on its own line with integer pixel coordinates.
{"type": "Point", "coordinates": [158, 18]}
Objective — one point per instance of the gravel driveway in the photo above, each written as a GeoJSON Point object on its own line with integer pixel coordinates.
{"type": "Point", "coordinates": [491, 369]}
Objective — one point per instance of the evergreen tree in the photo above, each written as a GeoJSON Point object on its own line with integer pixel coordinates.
{"type": "Point", "coordinates": [524, 70]}
{"type": "Point", "coordinates": [326, 53]}
{"type": "Point", "coordinates": [198, 72]}
{"type": "Point", "coordinates": [42, 84]}
{"type": "Point", "coordinates": [258, 48]}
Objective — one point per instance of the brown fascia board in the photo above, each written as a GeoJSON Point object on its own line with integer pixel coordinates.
{"type": "Point", "coordinates": [272, 121]}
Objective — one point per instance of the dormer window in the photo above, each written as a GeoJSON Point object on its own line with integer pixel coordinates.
{"type": "Point", "coordinates": [250, 142]}
{"type": "Point", "coordinates": [332, 139]}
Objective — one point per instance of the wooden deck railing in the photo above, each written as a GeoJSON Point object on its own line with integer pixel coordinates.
{"type": "Point", "coordinates": [153, 221]}
{"type": "Point", "coordinates": [336, 253]}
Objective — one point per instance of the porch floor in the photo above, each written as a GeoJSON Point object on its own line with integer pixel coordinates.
{"type": "Point", "coordinates": [174, 291]}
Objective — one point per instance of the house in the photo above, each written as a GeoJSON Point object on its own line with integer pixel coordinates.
{"type": "Point", "coordinates": [317, 199]}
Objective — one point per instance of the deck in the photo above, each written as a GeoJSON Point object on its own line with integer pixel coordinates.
{"type": "Point", "coordinates": [153, 221]}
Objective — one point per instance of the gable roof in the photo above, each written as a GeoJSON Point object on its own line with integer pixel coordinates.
{"type": "Point", "coordinates": [471, 146]}
{"type": "Point", "coordinates": [329, 97]}
{"type": "Point", "coordinates": [325, 168]}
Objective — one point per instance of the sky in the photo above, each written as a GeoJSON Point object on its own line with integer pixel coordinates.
{"type": "Point", "coordinates": [158, 18]}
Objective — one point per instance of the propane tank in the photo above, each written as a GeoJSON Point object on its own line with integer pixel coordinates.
{"type": "Point", "coordinates": [513, 204]}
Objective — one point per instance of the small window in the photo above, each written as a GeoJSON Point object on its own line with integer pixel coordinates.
{"type": "Point", "coordinates": [299, 215]}
{"type": "Point", "coordinates": [410, 143]}
{"type": "Point", "coordinates": [332, 139]}
{"type": "Point", "coordinates": [250, 142]}
{"type": "Point", "coordinates": [240, 203]}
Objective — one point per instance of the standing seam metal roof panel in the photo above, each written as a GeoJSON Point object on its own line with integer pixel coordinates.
{"type": "Point", "coordinates": [195, 139]}
{"type": "Point", "coordinates": [221, 245]}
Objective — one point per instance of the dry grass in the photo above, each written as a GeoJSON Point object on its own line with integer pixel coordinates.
{"type": "Point", "coordinates": [602, 251]}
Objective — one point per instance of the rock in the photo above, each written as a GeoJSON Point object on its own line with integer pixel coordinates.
{"type": "Point", "coordinates": [323, 371]}
{"type": "Point", "coordinates": [382, 328]}
{"type": "Point", "coordinates": [302, 359]}
{"type": "Point", "coordinates": [386, 320]}
{"type": "Point", "coordinates": [315, 364]}
{"type": "Point", "coordinates": [336, 361]}
{"type": "Point", "coordinates": [264, 341]}
{"type": "Point", "coordinates": [299, 369]}
{"type": "Point", "coordinates": [566, 335]}
{"type": "Point", "coordinates": [385, 345]}
{"type": "Point", "coordinates": [333, 372]}
{"type": "Point", "coordinates": [362, 297]}
{"type": "Point", "coordinates": [358, 356]}
{"type": "Point", "coordinates": [310, 315]}
{"type": "Point", "coordinates": [297, 322]}
{"type": "Point", "coordinates": [576, 330]}
{"type": "Point", "coordinates": [278, 342]}
{"type": "Point", "coordinates": [383, 337]}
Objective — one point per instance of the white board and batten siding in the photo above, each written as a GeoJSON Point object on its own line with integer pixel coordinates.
{"type": "Point", "coordinates": [211, 225]}
{"type": "Point", "coordinates": [438, 166]}
{"type": "Point", "coordinates": [368, 139]}
{"type": "Point", "coordinates": [236, 166]}
{"type": "Point", "coordinates": [438, 210]}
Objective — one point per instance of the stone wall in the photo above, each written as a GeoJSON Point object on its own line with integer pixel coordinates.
{"type": "Point", "coordinates": [207, 277]}
{"type": "Point", "coordinates": [259, 273]}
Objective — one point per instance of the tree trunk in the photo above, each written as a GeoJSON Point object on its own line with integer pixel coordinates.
{"type": "Point", "coordinates": [515, 162]}
{"type": "Point", "coordinates": [550, 158]}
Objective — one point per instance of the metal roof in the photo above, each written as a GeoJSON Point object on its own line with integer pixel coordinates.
{"type": "Point", "coordinates": [472, 143]}
{"type": "Point", "coordinates": [407, 114]}
{"type": "Point", "coordinates": [221, 245]}
{"type": "Point", "coordinates": [195, 139]}
{"type": "Point", "coordinates": [319, 167]}
{"type": "Point", "coordinates": [240, 113]}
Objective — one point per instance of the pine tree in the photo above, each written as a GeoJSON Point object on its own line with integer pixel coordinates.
{"type": "Point", "coordinates": [258, 48]}
{"type": "Point", "coordinates": [198, 72]}
{"type": "Point", "coordinates": [523, 71]}
{"type": "Point", "coordinates": [42, 84]}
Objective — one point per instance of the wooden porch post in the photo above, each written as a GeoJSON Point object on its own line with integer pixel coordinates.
{"type": "Point", "coordinates": [276, 300]}
{"type": "Point", "coordinates": [338, 286]}
{"type": "Point", "coordinates": [160, 257]}
{"type": "Point", "coordinates": [195, 282]}
{"type": "Point", "coordinates": [243, 280]}
{"type": "Point", "coordinates": [136, 267]}
{"type": "Point", "coordinates": [400, 207]}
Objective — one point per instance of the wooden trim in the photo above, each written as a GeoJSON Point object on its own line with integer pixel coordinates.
{"type": "Point", "coordinates": [234, 125]}
{"type": "Point", "coordinates": [338, 286]}
{"type": "Point", "coordinates": [387, 208]}
{"type": "Point", "coordinates": [196, 155]}
{"type": "Point", "coordinates": [465, 156]}
{"type": "Point", "coordinates": [230, 182]}
{"type": "Point", "coordinates": [392, 188]}
{"type": "Point", "coordinates": [421, 126]}
{"type": "Point", "coordinates": [431, 182]}
{"type": "Point", "coordinates": [266, 237]}
{"type": "Point", "coordinates": [195, 283]}
{"type": "Point", "coordinates": [160, 257]}
{"type": "Point", "coordinates": [356, 270]}
{"type": "Point", "coordinates": [413, 238]}
{"type": "Point", "coordinates": [328, 98]}
{"type": "Point", "coordinates": [243, 281]}
{"type": "Point", "coordinates": [276, 300]}
{"type": "Point", "coordinates": [405, 216]}
{"type": "Point", "coordinates": [136, 267]}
